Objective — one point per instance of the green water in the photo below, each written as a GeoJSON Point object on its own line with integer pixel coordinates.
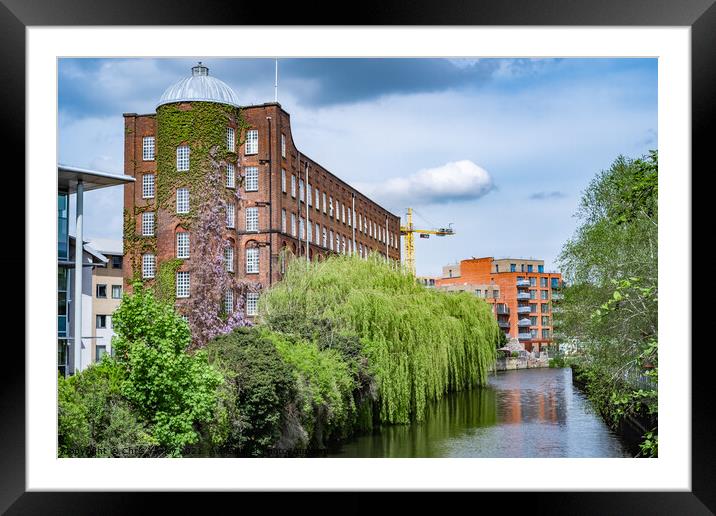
{"type": "Point", "coordinates": [526, 413]}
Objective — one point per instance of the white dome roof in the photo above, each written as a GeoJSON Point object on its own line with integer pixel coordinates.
{"type": "Point", "coordinates": [200, 87]}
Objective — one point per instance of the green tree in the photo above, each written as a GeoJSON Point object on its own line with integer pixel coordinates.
{"type": "Point", "coordinates": [611, 304]}
{"type": "Point", "coordinates": [258, 389]}
{"type": "Point", "coordinates": [172, 389]}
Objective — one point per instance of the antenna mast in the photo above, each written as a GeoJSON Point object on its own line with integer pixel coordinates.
{"type": "Point", "coordinates": [275, 84]}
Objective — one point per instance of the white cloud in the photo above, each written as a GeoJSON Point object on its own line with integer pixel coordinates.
{"type": "Point", "coordinates": [454, 181]}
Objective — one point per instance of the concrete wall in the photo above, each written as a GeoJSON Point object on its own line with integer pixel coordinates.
{"type": "Point", "coordinates": [511, 364]}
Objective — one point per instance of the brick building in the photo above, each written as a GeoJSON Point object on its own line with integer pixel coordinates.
{"type": "Point", "coordinates": [286, 200]}
{"type": "Point", "coordinates": [520, 292]}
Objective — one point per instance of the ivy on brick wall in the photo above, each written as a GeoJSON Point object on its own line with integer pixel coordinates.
{"type": "Point", "coordinates": [201, 126]}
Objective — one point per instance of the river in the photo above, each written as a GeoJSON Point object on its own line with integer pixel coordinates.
{"type": "Point", "coordinates": [525, 413]}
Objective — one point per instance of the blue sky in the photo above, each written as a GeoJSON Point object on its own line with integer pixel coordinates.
{"type": "Point", "coordinates": [501, 148]}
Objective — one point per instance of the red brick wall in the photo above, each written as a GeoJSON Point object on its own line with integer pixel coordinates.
{"type": "Point", "coordinates": [269, 198]}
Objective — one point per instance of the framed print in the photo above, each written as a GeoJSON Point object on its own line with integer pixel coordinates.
{"type": "Point", "coordinates": [376, 295]}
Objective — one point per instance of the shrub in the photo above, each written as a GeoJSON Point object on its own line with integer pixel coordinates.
{"type": "Point", "coordinates": [72, 427]}
{"type": "Point", "coordinates": [515, 354]}
{"type": "Point", "coordinates": [95, 420]}
{"type": "Point", "coordinates": [171, 389]}
{"type": "Point", "coordinates": [259, 386]}
{"type": "Point", "coordinates": [420, 343]}
{"type": "Point", "coordinates": [325, 385]}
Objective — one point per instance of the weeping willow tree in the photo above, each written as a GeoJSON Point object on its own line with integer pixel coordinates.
{"type": "Point", "coordinates": [420, 343]}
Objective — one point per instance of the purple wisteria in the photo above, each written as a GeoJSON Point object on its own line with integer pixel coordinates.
{"type": "Point", "coordinates": [211, 280]}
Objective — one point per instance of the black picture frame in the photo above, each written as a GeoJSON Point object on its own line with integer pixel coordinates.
{"type": "Point", "coordinates": [16, 15]}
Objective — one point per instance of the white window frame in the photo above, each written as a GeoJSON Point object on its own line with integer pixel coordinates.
{"type": "Point", "coordinates": [229, 258]}
{"type": "Point", "coordinates": [324, 202]}
{"type": "Point", "coordinates": [148, 148]}
{"type": "Point", "coordinates": [182, 244]}
{"type": "Point", "coordinates": [349, 217]}
{"type": "Point", "coordinates": [283, 145]}
{"type": "Point", "coordinates": [183, 285]}
{"type": "Point", "coordinates": [309, 235]}
{"type": "Point", "coordinates": [231, 215]}
{"type": "Point", "coordinates": [229, 301]}
{"type": "Point", "coordinates": [283, 220]}
{"type": "Point", "coordinates": [252, 142]}
{"type": "Point", "coordinates": [148, 186]}
{"type": "Point", "coordinates": [330, 206]}
{"type": "Point", "coordinates": [251, 179]}
{"type": "Point", "coordinates": [148, 223]}
{"type": "Point", "coordinates": [302, 228]}
{"type": "Point", "coordinates": [230, 175]}
{"type": "Point", "coordinates": [252, 260]}
{"type": "Point", "coordinates": [252, 219]}
{"type": "Point", "coordinates": [183, 155]}
{"type": "Point", "coordinates": [230, 139]}
{"type": "Point", "coordinates": [318, 234]}
{"type": "Point", "coordinates": [309, 195]}
{"type": "Point", "coordinates": [182, 201]}
{"type": "Point", "coordinates": [318, 200]}
{"type": "Point", "coordinates": [301, 192]}
{"type": "Point", "coordinates": [293, 186]}
{"type": "Point", "coordinates": [330, 240]}
{"type": "Point", "coordinates": [149, 266]}
{"type": "Point", "coordinates": [293, 224]}
{"type": "Point", "coordinates": [325, 237]}
{"type": "Point", "coordinates": [283, 180]}
{"type": "Point", "coordinates": [252, 301]}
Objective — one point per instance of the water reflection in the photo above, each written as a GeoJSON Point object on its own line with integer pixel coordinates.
{"type": "Point", "coordinates": [527, 413]}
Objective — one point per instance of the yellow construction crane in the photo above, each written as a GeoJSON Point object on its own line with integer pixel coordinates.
{"type": "Point", "coordinates": [408, 231]}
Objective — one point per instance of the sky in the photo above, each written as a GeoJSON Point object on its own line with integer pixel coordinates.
{"type": "Point", "coordinates": [502, 149]}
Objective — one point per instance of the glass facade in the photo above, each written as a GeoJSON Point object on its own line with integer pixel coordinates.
{"type": "Point", "coordinates": [63, 241]}
{"type": "Point", "coordinates": [63, 278]}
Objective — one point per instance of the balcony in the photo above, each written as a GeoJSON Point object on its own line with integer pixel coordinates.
{"type": "Point", "coordinates": [503, 324]}
{"type": "Point", "coordinates": [524, 336]}
{"type": "Point", "coordinates": [502, 309]}
{"type": "Point", "coordinates": [524, 310]}
{"type": "Point", "coordinates": [523, 295]}
{"type": "Point", "coordinates": [524, 322]}
{"type": "Point", "coordinates": [523, 283]}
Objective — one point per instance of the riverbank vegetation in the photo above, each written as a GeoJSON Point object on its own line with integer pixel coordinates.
{"type": "Point", "coordinates": [340, 346]}
{"type": "Point", "coordinates": [610, 306]}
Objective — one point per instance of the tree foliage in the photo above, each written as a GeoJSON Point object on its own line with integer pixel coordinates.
{"type": "Point", "coordinates": [171, 389]}
{"type": "Point", "coordinates": [419, 343]}
{"type": "Point", "coordinates": [95, 420]}
{"type": "Point", "coordinates": [611, 304]}
{"type": "Point", "coordinates": [259, 388]}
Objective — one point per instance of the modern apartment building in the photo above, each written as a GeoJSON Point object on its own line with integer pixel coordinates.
{"type": "Point", "coordinates": [107, 287]}
{"type": "Point", "coordinates": [520, 291]}
{"type": "Point", "coordinates": [75, 335]}
{"type": "Point", "coordinates": [286, 201]}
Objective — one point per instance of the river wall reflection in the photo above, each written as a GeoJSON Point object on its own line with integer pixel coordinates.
{"type": "Point", "coordinates": [524, 413]}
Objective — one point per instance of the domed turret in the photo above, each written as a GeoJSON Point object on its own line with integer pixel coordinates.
{"type": "Point", "coordinates": [199, 87]}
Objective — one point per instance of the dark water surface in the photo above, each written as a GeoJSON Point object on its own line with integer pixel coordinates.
{"type": "Point", "coordinates": [526, 413]}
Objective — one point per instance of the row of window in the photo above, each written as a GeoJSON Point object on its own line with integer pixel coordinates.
{"type": "Point", "coordinates": [363, 224]}
{"type": "Point", "coordinates": [543, 282]}
{"type": "Point", "coordinates": [183, 281]}
{"type": "Point", "coordinates": [535, 306]}
{"type": "Point", "coordinates": [545, 333]}
{"type": "Point", "coordinates": [529, 267]}
{"type": "Point", "coordinates": [322, 236]}
{"type": "Point", "coordinates": [149, 261]}
{"type": "Point", "coordinates": [101, 291]}
{"type": "Point", "coordinates": [545, 320]}
{"type": "Point", "coordinates": [148, 147]}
